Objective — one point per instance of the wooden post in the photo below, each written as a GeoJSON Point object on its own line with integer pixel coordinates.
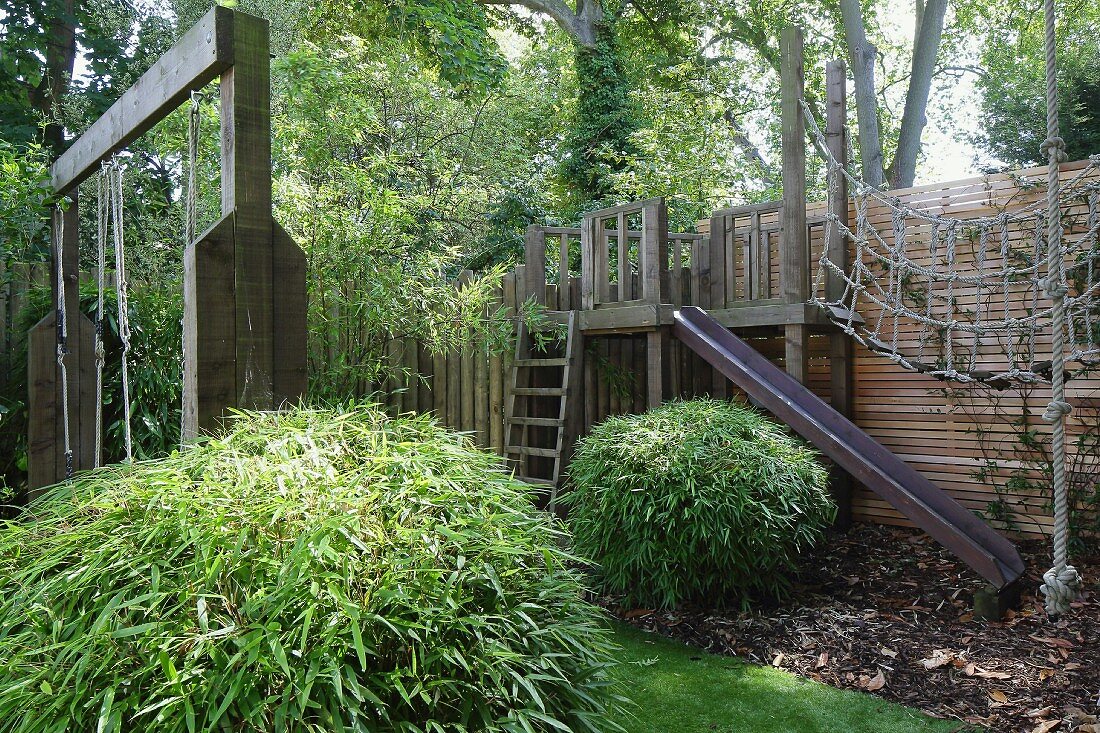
{"type": "Point", "coordinates": [244, 280]}
{"type": "Point", "coordinates": [794, 257]}
{"type": "Point", "coordinates": [588, 263]}
{"type": "Point", "coordinates": [246, 191]}
{"type": "Point", "coordinates": [46, 462]}
{"type": "Point", "coordinates": [840, 346]}
{"type": "Point", "coordinates": [534, 245]}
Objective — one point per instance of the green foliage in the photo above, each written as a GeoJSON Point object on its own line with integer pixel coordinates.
{"type": "Point", "coordinates": [385, 176]}
{"type": "Point", "coordinates": [326, 570]}
{"type": "Point", "coordinates": [25, 202]}
{"type": "Point", "coordinates": [700, 501]}
{"type": "Point", "coordinates": [1013, 104]}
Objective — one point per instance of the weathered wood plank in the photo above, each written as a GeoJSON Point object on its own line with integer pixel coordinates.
{"type": "Point", "coordinates": [794, 251]}
{"type": "Point", "coordinates": [289, 377]}
{"type": "Point", "coordinates": [203, 52]}
{"type": "Point", "coordinates": [246, 191]}
{"type": "Point", "coordinates": [209, 329]}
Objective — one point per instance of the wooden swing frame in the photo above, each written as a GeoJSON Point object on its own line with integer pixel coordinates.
{"type": "Point", "coordinates": [244, 329]}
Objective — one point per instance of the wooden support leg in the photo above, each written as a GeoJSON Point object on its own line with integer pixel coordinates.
{"type": "Point", "coordinates": [654, 368]}
{"type": "Point", "coordinates": [840, 365]}
{"type": "Point", "coordinates": [991, 603]}
{"type": "Point", "coordinates": [209, 330]}
{"type": "Point", "coordinates": [797, 351]}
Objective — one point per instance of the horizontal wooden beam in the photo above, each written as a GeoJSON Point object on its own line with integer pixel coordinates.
{"type": "Point", "coordinates": [783, 314]}
{"type": "Point", "coordinates": [197, 58]}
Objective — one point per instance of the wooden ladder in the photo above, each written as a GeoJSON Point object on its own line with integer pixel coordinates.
{"type": "Point", "coordinates": [519, 418]}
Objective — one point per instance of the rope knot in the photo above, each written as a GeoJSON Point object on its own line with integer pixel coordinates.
{"type": "Point", "coordinates": [1060, 588]}
{"type": "Point", "coordinates": [1054, 287]}
{"type": "Point", "coordinates": [1057, 145]}
{"type": "Point", "coordinates": [1056, 410]}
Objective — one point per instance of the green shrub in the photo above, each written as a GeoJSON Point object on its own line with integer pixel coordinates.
{"type": "Point", "coordinates": [310, 571]}
{"type": "Point", "coordinates": [703, 501]}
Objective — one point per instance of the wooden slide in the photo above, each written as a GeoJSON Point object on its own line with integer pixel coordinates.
{"type": "Point", "coordinates": [928, 506]}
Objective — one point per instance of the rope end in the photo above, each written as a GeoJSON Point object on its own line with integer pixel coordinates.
{"type": "Point", "coordinates": [1060, 588]}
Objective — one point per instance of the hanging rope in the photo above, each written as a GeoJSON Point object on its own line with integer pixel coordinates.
{"type": "Point", "coordinates": [62, 334]}
{"type": "Point", "coordinates": [194, 122]}
{"type": "Point", "coordinates": [1061, 581]}
{"type": "Point", "coordinates": [103, 185]}
{"type": "Point", "coordinates": [121, 293]}
{"type": "Point", "coordinates": [190, 214]}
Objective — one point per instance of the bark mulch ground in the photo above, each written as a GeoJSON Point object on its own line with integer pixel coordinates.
{"type": "Point", "coordinates": [888, 611]}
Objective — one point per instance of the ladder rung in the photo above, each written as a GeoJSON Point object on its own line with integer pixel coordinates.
{"type": "Point", "coordinates": [535, 481]}
{"type": "Point", "coordinates": [540, 362]}
{"type": "Point", "coordinates": [528, 451]}
{"type": "Point", "coordinates": [539, 391]}
{"type": "Point", "coordinates": [541, 422]}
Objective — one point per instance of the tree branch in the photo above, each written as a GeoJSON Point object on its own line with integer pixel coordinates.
{"type": "Point", "coordinates": [562, 14]}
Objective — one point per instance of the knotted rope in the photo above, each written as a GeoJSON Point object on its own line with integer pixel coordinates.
{"type": "Point", "coordinates": [1061, 581]}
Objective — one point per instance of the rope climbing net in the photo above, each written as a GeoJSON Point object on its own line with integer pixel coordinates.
{"type": "Point", "coordinates": [965, 299]}
{"type": "Point", "coordinates": [1030, 280]}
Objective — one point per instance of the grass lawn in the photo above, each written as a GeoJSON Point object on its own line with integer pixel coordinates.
{"type": "Point", "coordinates": [678, 688]}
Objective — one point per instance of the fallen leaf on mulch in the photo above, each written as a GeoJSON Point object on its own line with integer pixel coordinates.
{"type": "Point", "coordinates": [985, 674]}
{"type": "Point", "coordinates": [1046, 726]}
{"type": "Point", "coordinates": [876, 683]}
{"type": "Point", "coordinates": [1061, 643]}
{"type": "Point", "coordinates": [998, 696]}
{"type": "Point", "coordinates": [939, 658]}
{"type": "Point", "coordinates": [822, 660]}
{"type": "Point", "coordinates": [778, 661]}
{"type": "Point", "coordinates": [887, 652]}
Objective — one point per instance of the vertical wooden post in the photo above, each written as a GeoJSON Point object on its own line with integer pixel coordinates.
{"type": "Point", "coordinates": [46, 463]}
{"type": "Point", "coordinates": [244, 340]}
{"type": "Point", "coordinates": [794, 258]}
{"type": "Point", "coordinates": [653, 251]}
{"type": "Point", "coordinates": [840, 346]}
{"type": "Point", "coordinates": [534, 245]}
{"type": "Point", "coordinates": [246, 191]}
{"type": "Point", "coordinates": [588, 263]}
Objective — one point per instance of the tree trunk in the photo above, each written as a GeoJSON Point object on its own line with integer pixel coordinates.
{"type": "Point", "coordinates": [60, 62]}
{"type": "Point", "coordinates": [863, 54]}
{"type": "Point", "coordinates": [913, 120]}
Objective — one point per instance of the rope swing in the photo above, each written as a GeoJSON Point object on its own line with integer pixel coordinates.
{"type": "Point", "coordinates": [911, 273]}
{"type": "Point", "coordinates": [110, 224]}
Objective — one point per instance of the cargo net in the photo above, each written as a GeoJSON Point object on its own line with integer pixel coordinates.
{"type": "Point", "coordinates": [965, 299]}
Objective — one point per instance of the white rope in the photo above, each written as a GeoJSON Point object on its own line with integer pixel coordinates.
{"type": "Point", "coordinates": [121, 293]}
{"type": "Point", "coordinates": [102, 209]}
{"type": "Point", "coordinates": [62, 335]}
{"type": "Point", "coordinates": [1061, 581]}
